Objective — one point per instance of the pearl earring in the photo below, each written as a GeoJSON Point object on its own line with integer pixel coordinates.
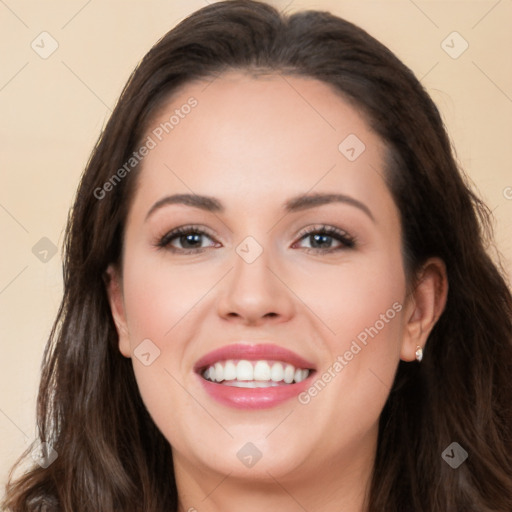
{"type": "Point", "coordinates": [419, 353]}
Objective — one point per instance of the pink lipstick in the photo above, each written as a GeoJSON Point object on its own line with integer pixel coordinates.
{"type": "Point", "coordinates": [253, 376]}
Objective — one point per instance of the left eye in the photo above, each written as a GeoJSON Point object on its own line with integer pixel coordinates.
{"type": "Point", "coordinates": [326, 239]}
{"type": "Point", "coordinates": [320, 241]}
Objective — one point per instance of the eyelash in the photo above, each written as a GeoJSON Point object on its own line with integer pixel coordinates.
{"type": "Point", "coordinates": [346, 240]}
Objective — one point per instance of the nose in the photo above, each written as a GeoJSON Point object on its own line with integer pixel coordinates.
{"type": "Point", "coordinates": [254, 294]}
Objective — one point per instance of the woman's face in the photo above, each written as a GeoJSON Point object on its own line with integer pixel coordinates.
{"type": "Point", "coordinates": [286, 278]}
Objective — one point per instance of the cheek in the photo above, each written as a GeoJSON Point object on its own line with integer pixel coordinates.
{"type": "Point", "coordinates": [352, 296]}
{"type": "Point", "coordinates": [164, 307]}
{"type": "Point", "coordinates": [159, 295]}
{"type": "Point", "coordinates": [372, 303]}
{"type": "Point", "coordinates": [361, 303]}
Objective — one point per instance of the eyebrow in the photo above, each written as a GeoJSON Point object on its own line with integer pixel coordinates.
{"type": "Point", "coordinates": [298, 203]}
{"type": "Point", "coordinates": [305, 201]}
{"type": "Point", "coordinates": [209, 204]}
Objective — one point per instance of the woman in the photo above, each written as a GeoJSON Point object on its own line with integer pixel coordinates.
{"type": "Point", "coordinates": [276, 290]}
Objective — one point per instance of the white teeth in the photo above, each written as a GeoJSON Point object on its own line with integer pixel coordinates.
{"type": "Point", "coordinates": [219, 372]}
{"type": "Point", "coordinates": [262, 371]}
{"type": "Point", "coordinates": [244, 370]}
{"type": "Point", "coordinates": [300, 375]}
{"type": "Point", "coordinates": [251, 374]}
{"type": "Point", "coordinates": [251, 384]}
{"type": "Point", "coordinates": [289, 373]}
{"type": "Point", "coordinates": [229, 370]}
{"type": "Point", "coordinates": [277, 372]}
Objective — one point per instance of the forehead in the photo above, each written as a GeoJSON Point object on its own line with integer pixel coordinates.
{"type": "Point", "coordinates": [261, 137]}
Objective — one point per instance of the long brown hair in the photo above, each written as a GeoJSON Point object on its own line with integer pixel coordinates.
{"type": "Point", "coordinates": [461, 392]}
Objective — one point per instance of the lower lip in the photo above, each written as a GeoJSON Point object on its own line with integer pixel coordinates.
{"type": "Point", "coordinates": [253, 398]}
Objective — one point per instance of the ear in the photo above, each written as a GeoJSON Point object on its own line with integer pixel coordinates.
{"type": "Point", "coordinates": [424, 306]}
{"type": "Point", "coordinates": [113, 282]}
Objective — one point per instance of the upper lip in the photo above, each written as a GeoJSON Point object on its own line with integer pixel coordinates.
{"type": "Point", "coordinates": [253, 352]}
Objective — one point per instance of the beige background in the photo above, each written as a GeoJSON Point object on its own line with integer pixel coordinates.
{"type": "Point", "coordinates": [53, 109]}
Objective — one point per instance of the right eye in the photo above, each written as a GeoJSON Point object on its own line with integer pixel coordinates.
{"type": "Point", "coordinates": [187, 239]}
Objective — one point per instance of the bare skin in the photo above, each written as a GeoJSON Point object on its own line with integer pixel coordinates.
{"type": "Point", "coordinates": [253, 143]}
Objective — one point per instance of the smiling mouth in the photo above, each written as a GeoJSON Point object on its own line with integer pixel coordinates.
{"type": "Point", "coordinates": [244, 373]}
{"type": "Point", "coordinates": [253, 376]}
